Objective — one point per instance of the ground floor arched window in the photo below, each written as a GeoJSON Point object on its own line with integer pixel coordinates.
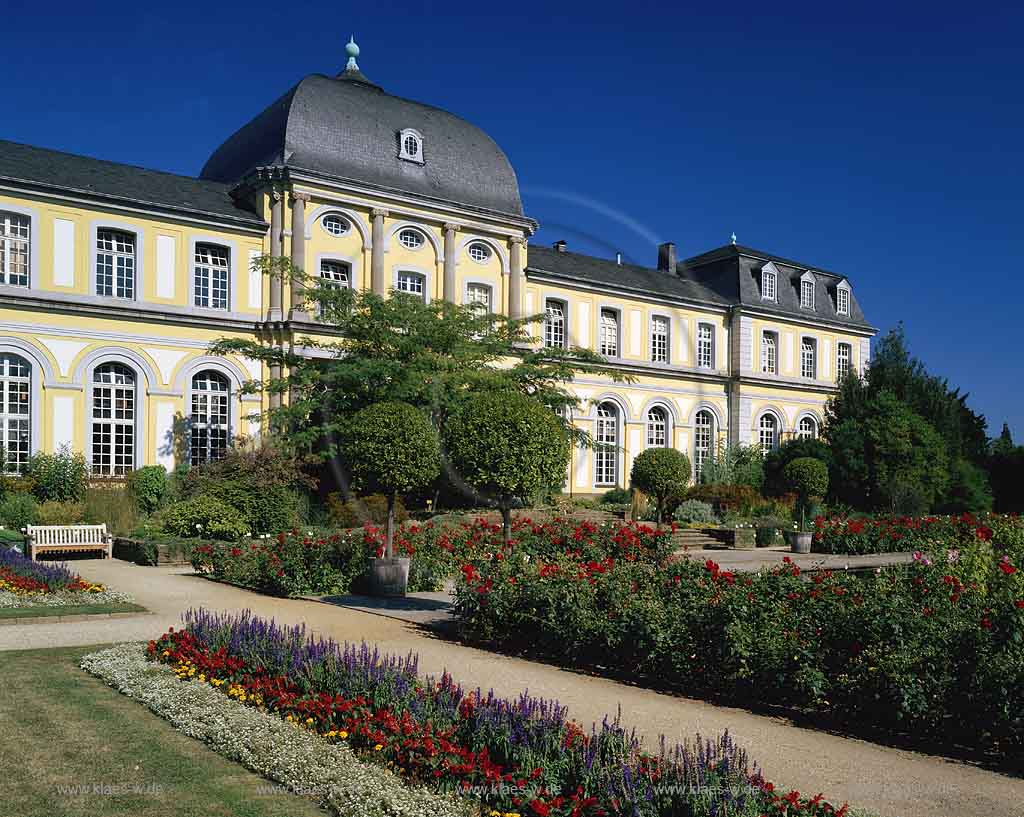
{"type": "Point", "coordinates": [15, 413]}
{"type": "Point", "coordinates": [606, 455]}
{"type": "Point", "coordinates": [768, 433]}
{"type": "Point", "coordinates": [210, 421]}
{"type": "Point", "coordinates": [114, 415]}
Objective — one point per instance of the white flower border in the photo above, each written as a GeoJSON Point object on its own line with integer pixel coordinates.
{"type": "Point", "coordinates": [289, 755]}
{"type": "Point", "coordinates": [62, 598]}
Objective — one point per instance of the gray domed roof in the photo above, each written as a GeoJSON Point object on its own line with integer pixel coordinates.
{"type": "Point", "coordinates": [347, 127]}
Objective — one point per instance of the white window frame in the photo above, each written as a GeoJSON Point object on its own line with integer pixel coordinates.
{"type": "Point", "coordinates": [329, 277]}
{"type": "Point", "coordinates": [549, 326]}
{"type": "Point", "coordinates": [410, 275]}
{"type": "Point", "coordinates": [132, 424]}
{"type": "Point", "coordinates": [8, 240]}
{"type": "Point", "coordinates": [703, 439]}
{"type": "Point", "coordinates": [658, 427]}
{"type": "Point", "coordinates": [843, 362]}
{"type": "Point", "coordinates": [479, 287]}
{"type": "Point", "coordinates": [346, 224]}
{"type": "Point", "coordinates": [768, 424]}
{"type": "Point", "coordinates": [769, 352]}
{"type": "Point", "coordinates": [209, 412]}
{"type": "Point", "coordinates": [808, 358]}
{"type": "Point", "coordinates": [806, 293]}
{"type": "Point", "coordinates": [661, 341]}
{"type": "Point", "coordinates": [410, 231]}
{"type": "Point", "coordinates": [606, 455]}
{"type": "Point", "coordinates": [705, 345]}
{"type": "Point", "coordinates": [415, 155]}
{"type": "Point", "coordinates": [114, 231]}
{"type": "Point", "coordinates": [804, 433]}
{"type": "Point", "coordinates": [216, 264]}
{"type": "Point", "coordinates": [17, 411]}
{"type": "Point", "coordinates": [479, 246]}
{"type": "Point", "coordinates": [843, 300]}
{"type": "Point", "coordinates": [769, 283]}
{"type": "Point", "coordinates": [609, 347]}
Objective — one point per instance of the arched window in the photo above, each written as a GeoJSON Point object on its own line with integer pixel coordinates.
{"type": "Point", "coordinates": [410, 145]}
{"type": "Point", "coordinates": [115, 264]}
{"type": "Point", "coordinates": [609, 346]}
{"type": "Point", "coordinates": [113, 420]}
{"type": "Point", "coordinates": [768, 433]}
{"type": "Point", "coordinates": [606, 454]}
{"type": "Point", "coordinates": [659, 339]}
{"type": "Point", "coordinates": [657, 428]}
{"type": "Point", "coordinates": [769, 353]}
{"type": "Point", "coordinates": [554, 324]}
{"type": "Point", "coordinates": [211, 417]}
{"type": "Point", "coordinates": [808, 358]}
{"type": "Point", "coordinates": [703, 439]}
{"type": "Point", "coordinates": [807, 429]}
{"type": "Point", "coordinates": [15, 417]}
{"type": "Point", "coordinates": [14, 249]}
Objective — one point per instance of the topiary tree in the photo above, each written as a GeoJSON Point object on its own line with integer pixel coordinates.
{"type": "Point", "coordinates": [808, 477]}
{"type": "Point", "coordinates": [148, 486]}
{"type": "Point", "coordinates": [392, 448]}
{"type": "Point", "coordinates": [661, 473]}
{"type": "Point", "coordinates": [508, 447]}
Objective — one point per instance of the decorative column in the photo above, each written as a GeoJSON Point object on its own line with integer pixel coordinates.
{"type": "Point", "coordinates": [377, 259]}
{"type": "Point", "coordinates": [450, 294]}
{"type": "Point", "coordinates": [298, 305]}
{"type": "Point", "coordinates": [276, 226]}
{"type": "Point", "coordinates": [515, 282]}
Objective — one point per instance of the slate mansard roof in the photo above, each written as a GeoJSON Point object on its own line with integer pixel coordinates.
{"type": "Point", "coordinates": [347, 128]}
{"type": "Point", "coordinates": [53, 170]}
{"type": "Point", "coordinates": [725, 277]}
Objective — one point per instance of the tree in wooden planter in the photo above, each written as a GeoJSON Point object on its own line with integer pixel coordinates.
{"type": "Point", "coordinates": [508, 447]}
{"type": "Point", "coordinates": [391, 448]}
{"type": "Point", "coordinates": [661, 473]}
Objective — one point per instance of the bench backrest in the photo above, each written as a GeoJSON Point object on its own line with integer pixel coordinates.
{"type": "Point", "coordinates": [67, 534]}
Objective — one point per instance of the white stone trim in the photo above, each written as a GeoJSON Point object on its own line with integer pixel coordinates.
{"type": "Point", "coordinates": [355, 219]}
{"type": "Point", "coordinates": [495, 246]}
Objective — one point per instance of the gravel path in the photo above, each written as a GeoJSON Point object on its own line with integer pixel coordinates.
{"type": "Point", "coordinates": [890, 782]}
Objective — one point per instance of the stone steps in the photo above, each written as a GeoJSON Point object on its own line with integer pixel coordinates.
{"type": "Point", "coordinates": [691, 539]}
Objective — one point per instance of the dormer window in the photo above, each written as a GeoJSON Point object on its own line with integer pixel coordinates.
{"type": "Point", "coordinates": [410, 146]}
{"type": "Point", "coordinates": [843, 299]}
{"type": "Point", "coordinates": [769, 283]}
{"type": "Point", "coordinates": [807, 291]}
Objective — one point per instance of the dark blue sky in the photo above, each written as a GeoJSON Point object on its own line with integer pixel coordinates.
{"type": "Point", "coordinates": [884, 142]}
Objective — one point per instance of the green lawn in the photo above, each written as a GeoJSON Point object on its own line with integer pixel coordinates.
{"type": "Point", "coordinates": [63, 728]}
{"type": "Point", "coordinates": [77, 610]}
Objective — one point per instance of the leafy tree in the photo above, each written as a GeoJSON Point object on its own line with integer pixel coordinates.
{"type": "Point", "coordinates": [59, 477]}
{"type": "Point", "coordinates": [391, 448]}
{"type": "Point", "coordinates": [775, 461]}
{"type": "Point", "coordinates": [968, 489]}
{"type": "Point", "coordinates": [662, 473]}
{"type": "Point", "coordinates": [808, 477]}
{"type": "Point", "coordinates": [507, 447]}
{"type": "Point", "coordinates": [734, 465]}
{"type": "Point", "coordinates": [1006, 470]}
{"type": "Point", "coordinates": [148, 485]}
{"type": "Point", "coordinates": [432, 356]}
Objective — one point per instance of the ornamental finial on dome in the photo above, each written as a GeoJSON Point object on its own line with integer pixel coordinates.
{"type": "Point", "coordinates": [353, 51]}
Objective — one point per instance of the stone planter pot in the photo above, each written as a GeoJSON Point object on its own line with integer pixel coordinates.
{"type": "Point", "coordinates": [800, 541]}
{"type": "Point", "coordinates": [388, 577]}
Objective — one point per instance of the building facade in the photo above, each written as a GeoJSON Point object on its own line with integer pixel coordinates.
{"type": "Point", "coordinates": [115, 280]}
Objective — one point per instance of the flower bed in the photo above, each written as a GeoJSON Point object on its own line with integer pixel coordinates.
{"type": "Point", "coordinates": [310, 562]}
{"type": "Point", "coordinates": [935, 650]}
{"type": "Point", "coordinates": [894, 534]}
{"type": "Point", "coordinates": [26, 583]}
{"type": "Point", "coordinates": [521, 756]}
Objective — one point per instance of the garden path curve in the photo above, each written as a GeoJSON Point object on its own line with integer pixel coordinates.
{"type": "Point", "coordinates": [888, 781]}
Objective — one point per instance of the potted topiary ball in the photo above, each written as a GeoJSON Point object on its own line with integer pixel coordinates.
{"type": "Point", "coordinates": [808, 477]}
{"type": "Point", "coordinates": [391, 448]}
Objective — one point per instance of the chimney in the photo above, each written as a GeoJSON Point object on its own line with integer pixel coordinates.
{"type": "Point", "coordinates": [559, 245]}
{"type": "Point", "coordinates": [618, 258]}
{"type": "Point", "coordinates": [667, 257]}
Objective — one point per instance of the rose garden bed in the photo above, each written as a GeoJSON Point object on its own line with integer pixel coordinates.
{"type": "Point", "coordinates": [371, 736]}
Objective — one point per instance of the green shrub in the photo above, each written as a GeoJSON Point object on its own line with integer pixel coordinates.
{"type": "Point", "coordinates": [726, 498]}
{"type": "Point", "coordinates": [734, 465]}
{"type": "Point", "coordinates": [767, 529]}
{"type": "Point", "coordinates": [148, 485]}
{"type": "Point", "coordinates": [263, 484]}
{"type": "Point", "coordinates": [616, 496]}
{"type": "Point", "coordinates": [662, 473]}
{"type": "Point", "coordinates": [360, 510]}
{"type": "Point", "coordinates": [18, 511]}
{"type": "Point", "coordinates": [693, 511]}
{"type": "Point", "coordinates": [204, 516]}
{"type": "Point", "coordinates": [52, 512]}
{"type": "Point", "coordinates": [110, 505]}
{"type": "Point", "coordinates": [61, 477]}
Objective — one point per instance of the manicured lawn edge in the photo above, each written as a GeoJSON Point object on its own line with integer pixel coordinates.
{"type": "Point", "coordinates": [289, 755]}
{"type": "Point", "coordinates": [82, 612]}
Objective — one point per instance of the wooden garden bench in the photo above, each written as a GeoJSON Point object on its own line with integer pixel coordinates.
{"type": "Point", "coordinates": [68, 538]}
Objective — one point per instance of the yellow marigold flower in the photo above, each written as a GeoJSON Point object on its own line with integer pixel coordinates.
{"type": "Point", "coordinates": [309, 721]}
{"type": "Point", "coordinates": [342, 734]}
{"type": "Point", "coordinates": [378, 747]}
{"type": "Point", "coordinates": [289, 718]}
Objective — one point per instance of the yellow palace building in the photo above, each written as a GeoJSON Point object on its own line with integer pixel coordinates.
{"type": "Point", "coordinates": [115, 279]}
